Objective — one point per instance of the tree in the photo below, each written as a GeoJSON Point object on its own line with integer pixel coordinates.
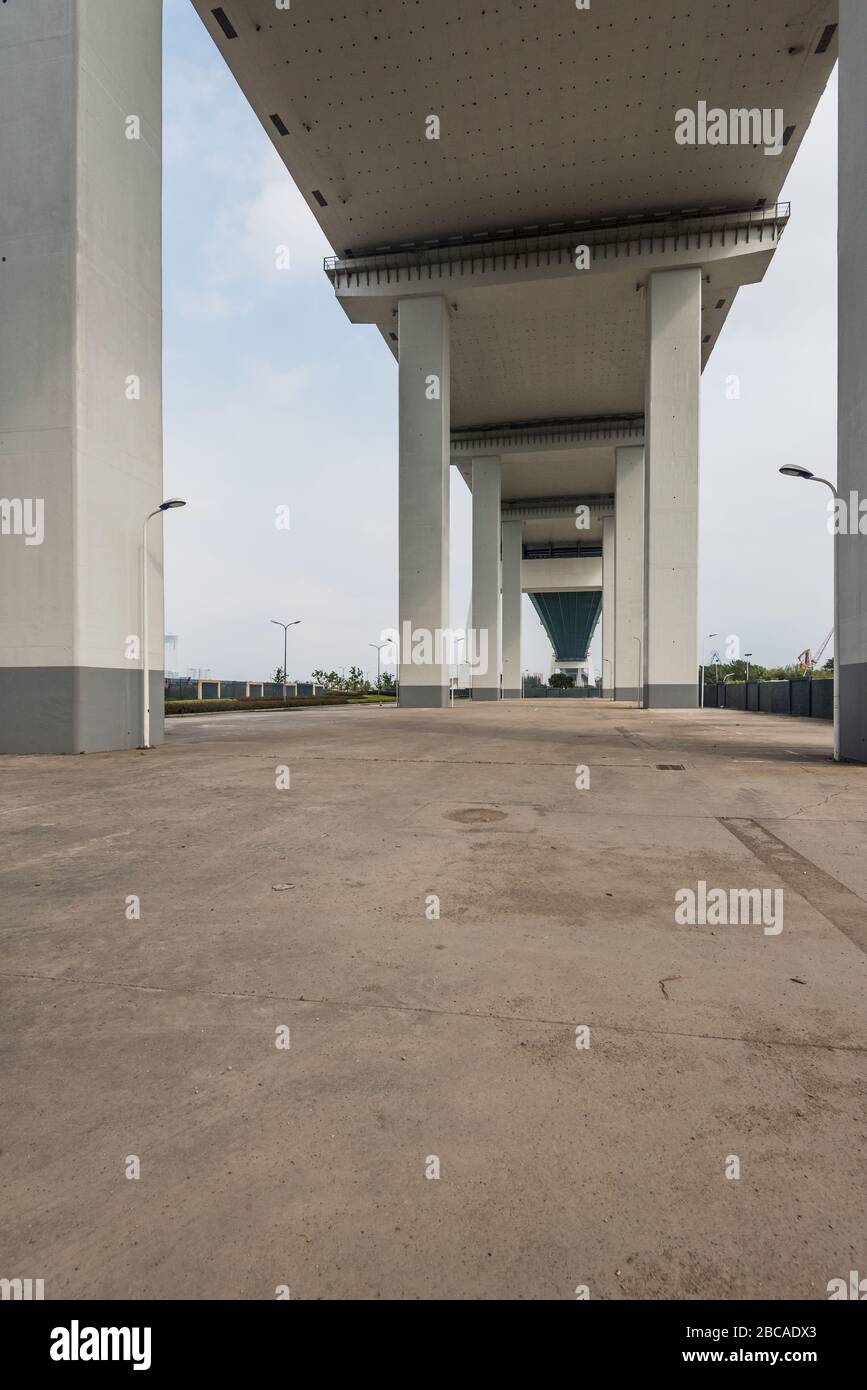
{"type": "Point", "coordinates": [329, 680]}
{"type": "Point", "coordinates": [737, 670]}
{"type": "Point", "coordinates": [561, 681]}
{"type": "Point", "coordinates": [356, 679]}
{"type": "Point", "coordinates": [386, 683]}
{"type": "Point", "coordinates": [277, 677]}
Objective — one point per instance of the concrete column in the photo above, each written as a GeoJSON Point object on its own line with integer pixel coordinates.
{"type": "Point", "coordinates": [850, 641]}
{"type": "Point", "coordinates": [608, 606]}
{"type": "Point", "coordinates": [80, 371]}
{"type": "Point", "coordinates": [671, 489]}
{"type": "Point", "coordinates": [629, 571]}
{"type": "Point", "coordinates": [513, 547]}
{"type": "Point", "coordinates": [423, 506]}
{"type": "Point", "coordinates": [486, 578]}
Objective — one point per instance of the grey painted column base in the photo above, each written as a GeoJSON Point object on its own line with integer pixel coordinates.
{"type": "Point", "coordinates": [853, 711]}
{"type": "Point", "coordinates": [512, 694]}
{"type": "Point", "coordinates": [671, 697]}
{"type": "Point", "coordinates": [75, 709]}
{"type": "Point", "coordinates": [627, 692]}
{"type": "Point", "coordinates": [485, 693]}
{"type": "Point", "coordinates": [423, 697]}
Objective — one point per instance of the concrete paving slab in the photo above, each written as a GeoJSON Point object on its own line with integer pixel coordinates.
{"type": "Point", "coordinates": [413, 1036]}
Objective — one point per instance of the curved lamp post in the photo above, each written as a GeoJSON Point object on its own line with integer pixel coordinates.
{"type": "Point", "coordinates": [459, 642]}
{"type": "Point", "coordinates": [606, 661]}
{"type": "Point", "coordinates": [168, 506]}
{"type": "Point", "coordinates": [791, 470]}
{"type": "Point", "coordinates": [703, 645]}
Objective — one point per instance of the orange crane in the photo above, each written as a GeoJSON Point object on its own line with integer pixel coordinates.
{"type": "Point", "coordinates": [811, 662]}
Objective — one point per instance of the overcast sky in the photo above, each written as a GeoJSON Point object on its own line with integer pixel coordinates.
{"type": "Point", "coordinates": [273, 399]}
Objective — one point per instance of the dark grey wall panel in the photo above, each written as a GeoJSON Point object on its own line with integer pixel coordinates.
{"type": "Point", "coordinates": [84, 709]}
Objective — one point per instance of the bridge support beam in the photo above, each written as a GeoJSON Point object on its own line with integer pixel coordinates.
{"type": "Point", "coordinates": [850, 639]}
{"type": "Point", "coordinates": [609, 620]}
{"type": "Point", "coordinates": [424, 379]}
{"type": "Point", "coordinates": [671, 489]}
{"type": "Point", "coordinates": [629, 572]}
{"type": "Point", "coordinates": [513, 546]}
{"type": "Point", "coordinates": [80, 373]}
{"type": "Point", "coordinates": [486, 576]}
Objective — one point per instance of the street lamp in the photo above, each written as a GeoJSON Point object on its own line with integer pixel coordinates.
{"type": "Point", "coordinates": [703, 645]}
{"type": "Point", "coordinates": [459, 641]}
{"type": "Point", "coordinates": [791, 470]}
{"type": "Point", "coordinates": [285, 627]}
{"type": "Point", "coordinates": [168, 506]}
{"type": "Point", "coordinates": [378, 650]}
{"type": "Point", "coordinates": [726, 680]}
{"type": "Point", "coordinates": [747, 656]}
{"type": "Point", "coordinates": [606, 661]}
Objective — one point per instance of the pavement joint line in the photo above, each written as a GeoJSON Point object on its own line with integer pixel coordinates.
{"type": "Point", "coordinates": [457, 762]}
{"type": "Point", "coordinates": [839, 905]}
{"type": "Point", "coordinates": [481, 1017]}
{"type": "Point", "coordinates": [563, 807]}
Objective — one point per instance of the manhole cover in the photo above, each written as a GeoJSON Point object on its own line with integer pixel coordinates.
{"type": "Point", "coordinates": [476, 815]}
{"type": "Point", "coordinates": [457, 817]}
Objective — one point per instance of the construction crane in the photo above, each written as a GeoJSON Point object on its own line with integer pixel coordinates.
{"type": "Point", "coordinates": [811, 662]}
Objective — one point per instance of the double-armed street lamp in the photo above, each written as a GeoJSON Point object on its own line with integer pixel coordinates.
{"type": "Point", "coordinates": [285, 627]}
{"type": "Point", "coordinates": [378, 650]}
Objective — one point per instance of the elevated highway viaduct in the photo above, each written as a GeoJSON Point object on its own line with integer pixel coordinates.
{"type": "Point", "coordinates": [547, 211]}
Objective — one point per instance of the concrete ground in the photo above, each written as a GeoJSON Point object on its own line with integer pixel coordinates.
{"type": "Point", "coordinates": [411, 1037]}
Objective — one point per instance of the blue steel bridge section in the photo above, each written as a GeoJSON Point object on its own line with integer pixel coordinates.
{"type": "Point", "coordinates": [570, 620]}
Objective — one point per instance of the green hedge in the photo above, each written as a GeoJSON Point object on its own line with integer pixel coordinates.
{"type": "Point", "coordinates": [293, 702]}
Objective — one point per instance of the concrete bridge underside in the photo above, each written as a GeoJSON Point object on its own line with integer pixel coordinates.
{"type": "Point", "coordinates": [508, 204]}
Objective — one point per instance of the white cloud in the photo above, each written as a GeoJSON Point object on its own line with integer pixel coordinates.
{"type": "Point", "coordinates": [238, 260]}
{"type": "Point", "coordinates": [208, 131]}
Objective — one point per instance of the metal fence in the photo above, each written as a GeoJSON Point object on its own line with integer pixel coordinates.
{"type": "Point", "coordinates": [540, 692]}
{"type": "Point", "coordinates": [802, 698]}
{"type": "Point", "coordinates": [191, 688]}
{"type": "Point", "coordinates": [575, 692]}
